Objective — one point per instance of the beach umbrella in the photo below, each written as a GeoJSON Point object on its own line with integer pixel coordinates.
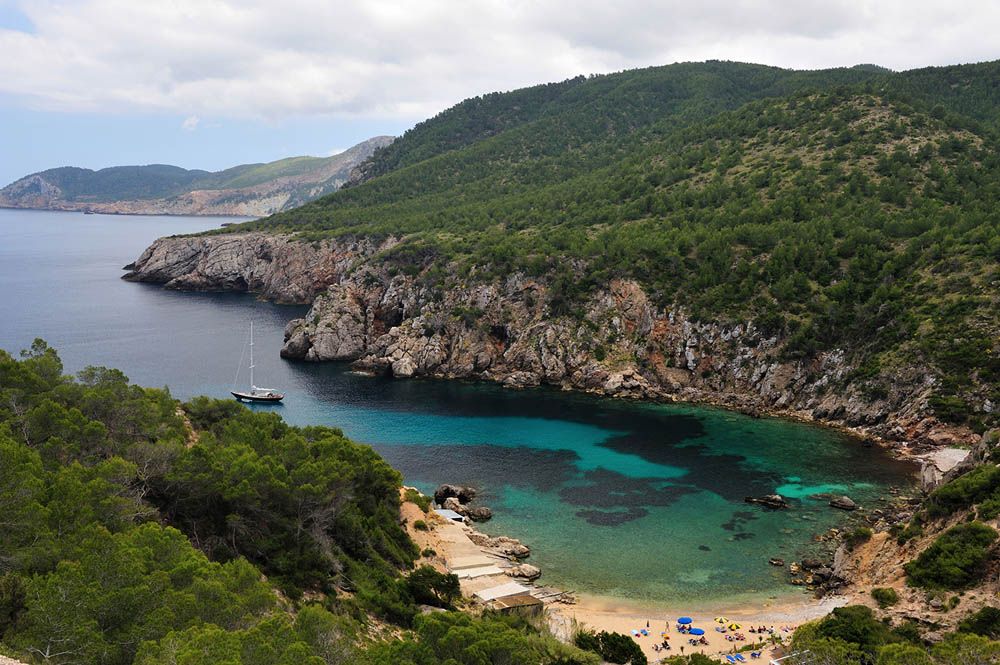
{"type": "Point", "coordinates": [721, 620]}
{"type": "Point", "coordinates": [665, 636]}
{"type": "Point", "coordinates": [697, 631]}
{"type": "Point", "coordinates": [734, 626]}
{"type": "Point", "coordinates": [684, 621]}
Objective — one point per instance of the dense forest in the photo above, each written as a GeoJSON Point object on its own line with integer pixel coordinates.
{"type": "Point", "coordinates": [137, 529]}
{"type": "Point", "coordinates": [850, 208]}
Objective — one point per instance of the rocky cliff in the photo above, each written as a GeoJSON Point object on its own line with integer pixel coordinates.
{"type": "Point", "coordinates": [250, 190]}
{"type": "Point", "coordinates": [618, 344]}
{"type": "Point", "coordinates": [273, 266]}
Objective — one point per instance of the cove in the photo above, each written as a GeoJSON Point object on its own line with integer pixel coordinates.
{"type": "Point", "coordinates": [632, 500]}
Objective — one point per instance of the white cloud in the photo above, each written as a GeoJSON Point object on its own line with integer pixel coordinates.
{"type": "Point", "coordinates": [190, 123]}
{"type": "Point", "coordinates": [276, 59]}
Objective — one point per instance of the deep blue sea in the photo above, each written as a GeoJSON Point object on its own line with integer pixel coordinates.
{"type": "Point", "coordinates": [633, 500]}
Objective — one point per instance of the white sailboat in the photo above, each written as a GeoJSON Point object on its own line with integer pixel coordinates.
{"type": "Point", "coordinates": [256, 394]}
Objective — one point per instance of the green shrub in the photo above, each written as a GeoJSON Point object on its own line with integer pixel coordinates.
{"type": "Point", "coordinates": [885, 597]}
{"type": "Point", "coordinates": [858, 536]}
{"type": "Point", "coordinates": [911, 531]}
{"type": "Point", "coordinates": [612, 647]}
{"type": "Point", "coordinates": [12, 600]}
{"type": "Point", "coordinates": [420, 525]}
{"type": "Point", "coordinates": [457, 638]}
{"type": "Point", "coordinates": [428, 552]}
{"type": "Point", "coordinates": [955, 560]}
{"type": "Point", "coordinates": [430, 587]}
{"type": "Point", "coordinates": [855, 624]}
{"type": "Point", "coordinates": [980, 484]}
{"type": "Point", "coordinates": [985, 622]}
{"type": "Point", "coordinates": [421, 500]}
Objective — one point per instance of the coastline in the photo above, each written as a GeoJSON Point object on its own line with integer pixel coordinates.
{"type": "Point", "coordinates": [566, 612]}
{"type": "Point", "coordinates": [621, 616]}
{"type": "Point", "coordinates": [85, 211]}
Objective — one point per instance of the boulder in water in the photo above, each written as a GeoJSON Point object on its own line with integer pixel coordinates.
{"type": "Point", "coordinates": [463, 494]}
{"type": "Point", "coordinates": [844, 503]}
{"type": "Point", "coordinates": [775, 501]}
{"type": "Point", "coordinates": [479, 513]}
{"type": "Point", "coordinates": [526, 571]}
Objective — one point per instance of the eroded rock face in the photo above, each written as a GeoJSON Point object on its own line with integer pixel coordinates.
{"type": "Point", "coordinates": [620, 344]}
{"type": "Point", "coordinates": [623, 346]}
{"type": "Point", "coordinates": [274, 266]}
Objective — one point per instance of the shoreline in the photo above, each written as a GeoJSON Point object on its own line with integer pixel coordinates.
{"type": "Point", "coordinates": [455, 551]}
{"type": "Point", "coordinates": [247, 218]}
{"type": "Point", "coordinates": [729, 402]}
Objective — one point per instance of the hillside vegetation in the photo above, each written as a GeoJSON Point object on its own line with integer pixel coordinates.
{"type": "Point", "coordinates": [850, 208]}
{"type": "Point", "coordinates": [140, 530]}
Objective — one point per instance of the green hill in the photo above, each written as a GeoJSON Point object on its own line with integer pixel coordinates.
{"type": "Point", "coordinates": [849, 208]}
{"type": "Point", "coordinates": [137, 529]}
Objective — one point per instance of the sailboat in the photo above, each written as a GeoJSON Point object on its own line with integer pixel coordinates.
{"type": "Point", "coordinates": [256, 394]}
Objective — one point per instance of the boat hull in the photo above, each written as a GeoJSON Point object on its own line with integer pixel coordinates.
{"type": "Point", "coordinates": [250, 397]}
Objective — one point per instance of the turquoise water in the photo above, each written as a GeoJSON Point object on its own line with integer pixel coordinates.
{"type": "Point", "coordinates": [634, 500]}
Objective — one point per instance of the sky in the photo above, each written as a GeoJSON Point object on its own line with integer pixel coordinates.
{"type": "Point", "coordinates": [214, 83]}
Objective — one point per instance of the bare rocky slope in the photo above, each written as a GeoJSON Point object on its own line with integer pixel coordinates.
{"type": "Point", "coordinates": [250, 190]}
{"type": "Point", "coordinates": [366, 312]}
{"type": "Point", "coordinates": [880, 561]}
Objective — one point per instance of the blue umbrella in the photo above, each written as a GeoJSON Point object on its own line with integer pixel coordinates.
{"type": "Point", "coordinates": [696, 631]}
{"type": "Point", "coordinates": [684, 621]}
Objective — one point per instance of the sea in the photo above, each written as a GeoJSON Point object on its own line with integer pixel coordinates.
{"type": "Point", "coordinates": [628, 500]}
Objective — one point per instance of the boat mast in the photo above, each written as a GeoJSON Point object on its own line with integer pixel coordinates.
{"type": "Point", "coordinates": [252, 386]}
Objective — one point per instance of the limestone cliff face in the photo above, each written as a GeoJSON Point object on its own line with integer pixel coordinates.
{"type": "Point", "coordinates": [504, 331]}
{"type": "Point", "coordinates": [624, 346]}
{"type": "Point", "coordinates": [273, 266]}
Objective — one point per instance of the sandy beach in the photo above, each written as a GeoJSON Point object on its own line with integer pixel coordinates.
{"type": "Point", "coordinates": [602, 613]}
{"type": "Point", "coordinates": [452, 545]}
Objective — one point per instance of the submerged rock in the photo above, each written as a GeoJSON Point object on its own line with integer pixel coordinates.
{"type": "Point", "coordinates": [843, 503]}
{"type": "Point", "coordinates": [775, 501]}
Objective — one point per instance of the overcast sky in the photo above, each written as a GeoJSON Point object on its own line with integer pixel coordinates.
{"type": "Point", "coordinates": [210, 83]}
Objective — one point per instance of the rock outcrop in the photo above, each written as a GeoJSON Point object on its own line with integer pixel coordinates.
{"type": "Point", "coordinates": [774, 501]}
{"type": "Point", "coordinates": [620, 343]}
{"type": "Point", "coordinates": [273, 266]}
{"type": "Point", "coordinates": [462, 494]}
{"type": "Point", "coordinates": [843, 503]}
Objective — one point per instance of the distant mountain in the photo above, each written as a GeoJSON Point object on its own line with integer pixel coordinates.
{"type": "Point", "coordinates": [248, 189]}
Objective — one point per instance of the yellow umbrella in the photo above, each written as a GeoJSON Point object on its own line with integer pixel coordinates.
{"type": "Point", "coordinates": [734, 626]}
{"type": "Point", "coordinates": [721, 619]}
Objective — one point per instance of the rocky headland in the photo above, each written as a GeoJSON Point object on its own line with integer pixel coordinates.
{"type": "Point", "coordinates": [384, 320]}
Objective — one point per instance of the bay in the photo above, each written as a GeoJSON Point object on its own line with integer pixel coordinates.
{"type": "Point", "coordinates": [630, 500]}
